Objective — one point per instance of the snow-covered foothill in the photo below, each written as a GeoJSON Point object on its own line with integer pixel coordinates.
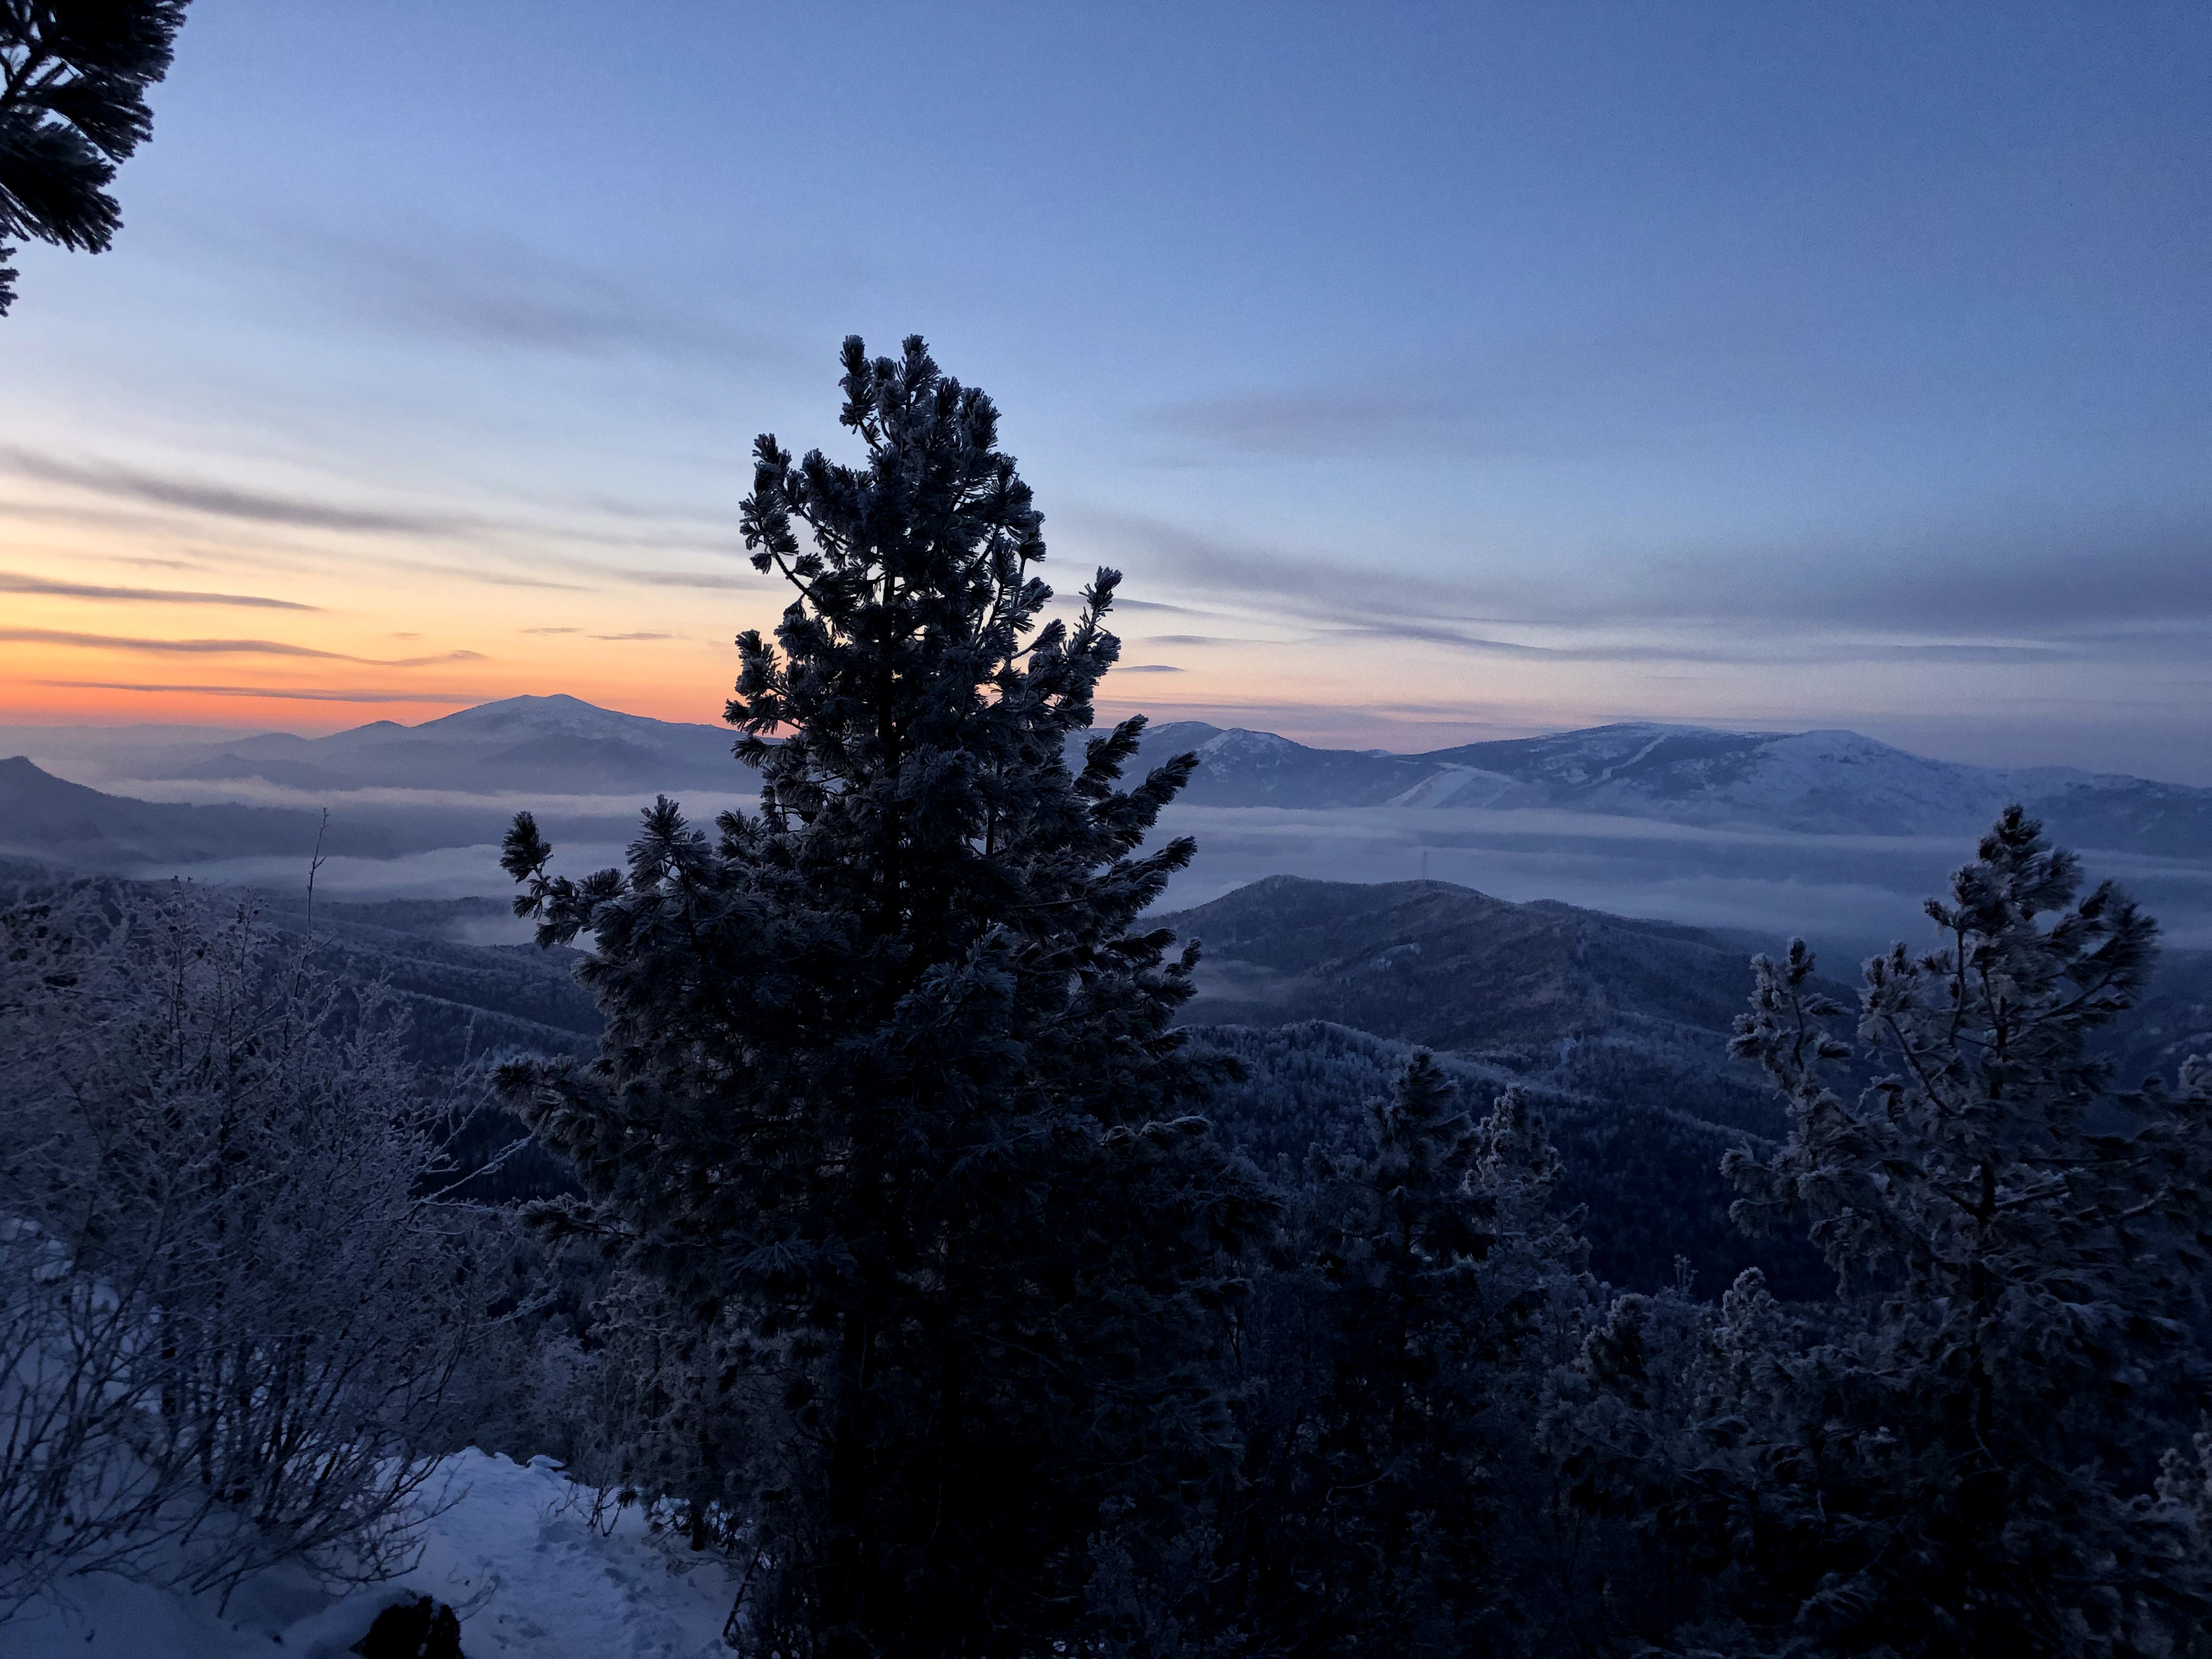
{"type": "Point", "coordinates": [514, 1551]}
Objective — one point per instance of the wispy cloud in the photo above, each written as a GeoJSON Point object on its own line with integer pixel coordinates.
{"type": "Point", "coordinates": [1121, 604]}
{"type": "Point", "coordinates": [150, 563]}
{"type": "Point", "coordinates": [459, 283]}
{"type": "Point", "coordinates": [14, 584]}
{"type": "Point", "coordinates": [1694, 650]}
{"type": "Point", "coordinates": [1567, 394]}
{"type": "Point", "coordinates": [521, 541]}
{"type": "Point", "coordinates": [299, 694]}
{"type": "Point", "coordinates": [218, 647]}
{"type": "Point", "coordinates": [2059, 576]}
{"type": "Point", "coordinates": [637, 636]}
{"type": "Point", "coordinates": [223, 500]}
{"type": "Point", "coordinates": [507, 578]}
{"type": "Point", "coordinates": [1147, 668]}
{"type": "Point", "coordinates": [2113, 588]}
{"type": "Point", "coordinates": [549, 630]}
{"type": "Point", "coordinates": [696, 578]}
{"type": "Point", "coordinates": [1572, 395]}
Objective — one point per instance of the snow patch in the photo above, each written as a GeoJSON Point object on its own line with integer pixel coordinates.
{"type": "Point", "coordinates": [515, 1553]}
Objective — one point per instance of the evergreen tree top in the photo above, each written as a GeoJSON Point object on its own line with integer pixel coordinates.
{"type": "Point", "coordinates": [926, 876]}
{"type": "Point", "coordinates": [919, 793]}
{"type": "Point", "coordinates": [890, 1086]}
{"type": "Point", "coordinates": [73, 81]}
{"type": "Point", "coordinates": [2014, 1213]}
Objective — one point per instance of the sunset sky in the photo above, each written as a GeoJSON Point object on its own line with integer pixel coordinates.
{"type": "Point", "coordinates": [1435, 373]}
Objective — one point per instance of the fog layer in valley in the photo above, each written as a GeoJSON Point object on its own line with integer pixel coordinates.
{"type": "Point", "coordinates": [1848, 893]}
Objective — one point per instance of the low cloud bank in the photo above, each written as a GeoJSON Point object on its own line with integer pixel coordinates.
{"type": "Point", "coordinates": [1850, 895]}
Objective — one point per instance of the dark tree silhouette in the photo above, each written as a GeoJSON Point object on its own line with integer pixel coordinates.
{"type": "Point", "coordinates": [73, 107]}
{"type": "Point", "coordinates": [1961, 1454]}
{"type": "Point", "coordinates": [889, 1097]}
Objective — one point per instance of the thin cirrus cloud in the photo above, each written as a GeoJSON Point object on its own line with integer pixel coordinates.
{"type": "Point", "coordinates": [1635, 389]}
{"type": "Point", "coordinates": [1122, 603]}
{"type": "Point", "coordinates": [2083, 570]}
{"type": "Point", "coordinates": [643, 635]}
{"type": "Point", "coordinates": [280, 693]}
{"type": "Point", "coordinates": [1563, 396]}
{"type": "Point", "coordinates": [147, 561]}
{"type": "Point", "coordinates": [1683, 651]}
{"type": "Point", "coordinates": [132, 484]}
{"type": "Point", "coordinates": [137, 486]}
{"type": "Point", "coordinates": [218, 647]}
{"type": "Point", "coordinates": [696, 578]}
{"type": "Point", "coordinates": [2091, 588]}
{"type": "Point", "coordinates": [502, 579]}
{"type": "Point", "coordinates": [11, 583]}
{"type": "Point", "coordinates": [451, 282]}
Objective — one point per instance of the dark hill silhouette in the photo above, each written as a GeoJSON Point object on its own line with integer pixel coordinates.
{"type": "Point", "coordinates": [1436, 963]}
{"type": "Point", "coordinates": [1578, 998]}
{"type": "Point", "coordinates": [49, 818]}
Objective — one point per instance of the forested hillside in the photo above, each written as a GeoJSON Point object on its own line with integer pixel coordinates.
{"type": "Point", "coordinates": [1632, 1011]}
{"type": "Point", "coordinates": [1644, 1178]}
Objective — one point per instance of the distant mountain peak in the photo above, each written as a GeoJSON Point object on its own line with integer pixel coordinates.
{"type": "Point", "coordinates": [22, 778]}
{"type": "Point", "coordinates": [1248, 744]}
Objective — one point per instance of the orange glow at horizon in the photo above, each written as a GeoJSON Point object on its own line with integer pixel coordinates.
{"type": "Point", "coordinates": [127, 618]}
{"type": "Point", "coordinates": [206, 615]}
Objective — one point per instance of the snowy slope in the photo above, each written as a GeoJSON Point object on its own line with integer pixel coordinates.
{"type": "Point", "coordinates": [515, 1555]}
{"type": "Point", "coordinates": [1832, 782]}
{"type": "Point", "coordinates": [1807, 782]}
{"type": "Point", "coordinates": [559, 744]}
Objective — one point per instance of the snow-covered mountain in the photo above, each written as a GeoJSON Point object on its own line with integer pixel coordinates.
{"type": "Point", "coordinates": [560, 744]}
{"type": "Point", "coordinates": [1815, 782]}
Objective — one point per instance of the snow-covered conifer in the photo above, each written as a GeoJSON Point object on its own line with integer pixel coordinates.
{"type": "Point", "coordinates": [1392, 1379]}
{"type": "Point", "coordinates": [888, 1084]}
{"type": "Point", "coordinates": [1963, 1457]}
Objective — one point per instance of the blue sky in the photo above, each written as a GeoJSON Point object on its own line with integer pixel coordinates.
{"type": "Point", "coordinates": [1446, 371]}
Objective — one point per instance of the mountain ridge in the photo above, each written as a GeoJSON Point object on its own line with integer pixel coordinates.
{"type": "Point", "coordinates": [1817, 782]}
{"type": "Point", "coordinates": [1823, 782]}
{"type": "Point", "coordinates": [1573, 998]}
{"type": "Point", "coordinates": [49, 817]}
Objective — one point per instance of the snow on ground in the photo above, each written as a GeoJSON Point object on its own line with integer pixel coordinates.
{"type": "Point", "coordinates": [516, 1555]}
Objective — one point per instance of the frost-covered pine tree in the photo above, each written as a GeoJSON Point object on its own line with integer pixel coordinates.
{"type": "Point", "coordinates": [1392, 1379]}
{"type": "Point", "coordinates": [888, 1096]}
{"type": "Point", "coordinates": [1967, 1462]}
